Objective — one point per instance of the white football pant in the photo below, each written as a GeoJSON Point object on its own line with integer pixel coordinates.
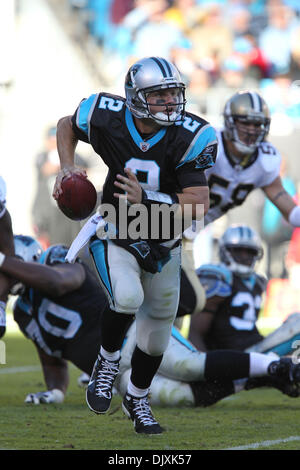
{"type": "Point", "coordinates": [153, 298]}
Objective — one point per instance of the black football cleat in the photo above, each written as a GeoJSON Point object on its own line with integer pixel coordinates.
{"type": "Point", "coordinates": [139, 411]}
{"type": "Point", "coordinates": [99, 390]}
{"type": "Point", "coordinates": [285, 369]}
{"type": "Point", "coordinates": [283, 385]}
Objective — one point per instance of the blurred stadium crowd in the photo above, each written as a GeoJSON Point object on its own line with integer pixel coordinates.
{"type": "Point", "coordinates": [218, 45]}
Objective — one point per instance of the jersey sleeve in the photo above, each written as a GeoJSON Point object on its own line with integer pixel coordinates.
{"type": "Point", "coordinates": [270, 161]}
{"type": "Point", "coordinates": [81, 119]}
{"type": "Point", "coordinates": [2, 197]}
{"type": "Point", "coordinates": [200, 155]}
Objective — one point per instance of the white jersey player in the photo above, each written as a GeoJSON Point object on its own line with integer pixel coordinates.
{"type": "Point", "coordinates": [245, 160]}
{"type": "Point", "coordinates": [230, 182]}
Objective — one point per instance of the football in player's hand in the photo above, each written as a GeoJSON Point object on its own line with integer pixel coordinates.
{"type": "Point", "coordinates": [78, 198]}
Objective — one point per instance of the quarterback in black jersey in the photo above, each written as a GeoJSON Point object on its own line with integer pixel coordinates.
{"type": "Point", "coordinates": [60, 311]}
{"type": "Point", "coordinates": [156, 154]}
{"type": "Point", "coordinates": [233, 300]}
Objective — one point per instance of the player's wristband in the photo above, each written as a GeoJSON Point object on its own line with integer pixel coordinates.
{"type": "Point", "coordinates": [2, 258]}
{"type": "Point", "coordinates": [294, 217]}
{"type": "Point", "coordinates": [155, 197]}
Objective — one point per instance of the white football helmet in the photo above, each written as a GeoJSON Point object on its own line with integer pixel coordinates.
{"type": "Point", "coordinates": [242, 109]}
{"type": "Point", "coordinates": [29, 250]}
{"type": "Point", "coordinates": [148, 75]}
{"type": "Point", "coordinates": [234, 239]}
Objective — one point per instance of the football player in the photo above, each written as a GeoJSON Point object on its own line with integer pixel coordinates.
{"type": "Point", "coordinates": [156, 154]}
{"type": "Point", "coordinates": [234, 297]}
{"type": "Point", "coordinates": [246, 160]}
{"type": "Point", "coordinates": [60, 310]}
{"type": "Point", "coordinates": [6, 247]}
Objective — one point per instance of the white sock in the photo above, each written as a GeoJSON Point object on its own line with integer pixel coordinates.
{"type": "Point", "coordinates": [259, 364]}
{"type": "Point", "coordinates": [114, 356]}
{"type": "Point", "coordinates": [135, 391]}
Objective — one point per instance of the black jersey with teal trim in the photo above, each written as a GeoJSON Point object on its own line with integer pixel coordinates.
{"type": "Point", "coordinates": [234, 323]}
{"type": "Point", "coordinates": [172, 159]}
{"type": "Point", "coordinates": [67, 327]}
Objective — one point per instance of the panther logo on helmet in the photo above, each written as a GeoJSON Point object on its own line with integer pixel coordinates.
{"type": "Point", "coordinates": [149, 75]}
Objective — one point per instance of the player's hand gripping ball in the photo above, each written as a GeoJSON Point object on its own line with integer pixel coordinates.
{"type": "Point", "coordinates": [78, 198]}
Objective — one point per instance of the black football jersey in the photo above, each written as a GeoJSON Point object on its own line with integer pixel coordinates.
{"type": "Point", "coordinates": [234, 324]}
{"type": "Point", "coordinates": [173, 158]}
{"type": "Point", "coordinates": [67, 327]}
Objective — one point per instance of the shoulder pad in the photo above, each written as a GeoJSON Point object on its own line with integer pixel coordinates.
{"type": "Point", "coordinates": [215, 279]}
{"type": "Point", "coordinates": [201, 141]}
{"type": "Point", "coordinates": [270, 157]}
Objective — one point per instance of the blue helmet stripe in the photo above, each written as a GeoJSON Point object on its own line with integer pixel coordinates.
{"type": "Point", "coordinates": [251, 99]}
{"type": "Point", "coordinates": [260, 102]}
{"type": "Point", "coordinates": [168, 67]}
{"type": "Point", "coordinates": [157, 61]}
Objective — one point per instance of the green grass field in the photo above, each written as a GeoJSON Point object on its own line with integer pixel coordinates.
{"type": "Point", "coordinates": [258, 417]}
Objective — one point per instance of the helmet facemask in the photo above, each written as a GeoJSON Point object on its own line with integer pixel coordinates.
{"type": "Point", "coordinates": [239, 249]}
{"type": "Point", "coordinates": [239, 262]}
{"type": "Point", "coordinates": [244, 137]}
{"type": "Point", "coordinates": [152, 75]}
{"type": "Point", "coordinates": [172, 111]}
{"type": "Point", "coordinates": [247, 121]}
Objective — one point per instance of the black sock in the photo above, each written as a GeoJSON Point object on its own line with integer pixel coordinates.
{"type": "Point", "coordinates": [144, 368]}
{"type": "Point", "coordinates": [207, 393]}
{"type": "Point", "coordinates": [226, 365]}
{"type": "Point", "coordinates": [114, 326]}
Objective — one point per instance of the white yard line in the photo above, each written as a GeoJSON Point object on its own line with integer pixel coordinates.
{"type": "Point", "coordinates": [256, 445]}
{"type": "Point", "coordinates": [15, 370]}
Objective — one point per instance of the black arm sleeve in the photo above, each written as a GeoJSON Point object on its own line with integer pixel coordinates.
{"type": "Point", "coordinates": [187, 176]}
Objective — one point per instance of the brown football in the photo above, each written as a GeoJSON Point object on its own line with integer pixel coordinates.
{"type": "Point", "coordinates": [78, 198]}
